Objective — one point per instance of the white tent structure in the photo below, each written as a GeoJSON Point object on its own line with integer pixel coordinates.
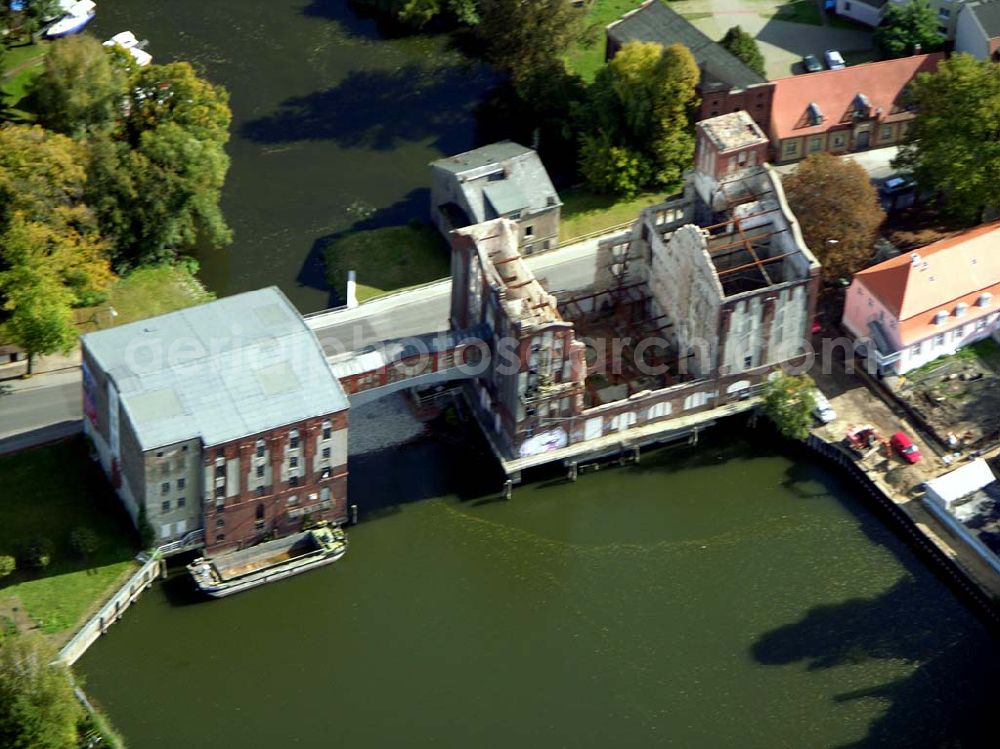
{"type": "Point", "coordinates": [951, 488]}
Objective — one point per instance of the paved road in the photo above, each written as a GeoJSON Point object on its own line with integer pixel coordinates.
{"type": "Point", "coordinates": [40, 414]}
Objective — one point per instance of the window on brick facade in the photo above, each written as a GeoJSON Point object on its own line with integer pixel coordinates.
{"type": "Point", "coordinates": [260, 472]}
{"type": "Point", "coordinates": [220, 536]}
{"type": "Point", "coordinates": [181, 501]}
{"type": "Point", "coordinates": [220, 471]}
{"type": "Point", "coordinates": [165, 505]}
{"type": "Point", "coordinates": [292, 500]}
{"type": "Point", "coordinates": [259, 491]}
{"type": "Point", "coordinates": [327, 430]}
{"type": "Point", "coordinates": [260, 512]}
{"type": "Point", "coordinates": [293, 480]}
{"type": "Point", "coordinates": [260, 448]}
{"type": "Point", "coordinates": [293, 439]}
{"type": "Point", "coordinates": [181, 483]}
{"type": "Point", "coordinates": [220, 522]}
{"type": "Point", "coordinates": [220, 453]}
{"type": "Point", "coordinates": [220, 491]}
{"type": "Point", "coordinates": [293, 462]}
{"type": "Point", "coordinates": [165, 487]}
{"type": "Point", "coordinates": [326, 452]}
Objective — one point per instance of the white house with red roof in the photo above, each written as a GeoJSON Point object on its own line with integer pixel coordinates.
{"type": "Point", "coordinates": [852, 109]}
{"type": "Point", "coordinates": [925, 304]}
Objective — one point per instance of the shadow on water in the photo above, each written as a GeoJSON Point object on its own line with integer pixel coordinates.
{"type": "Point", "coordinates": [450, 461]}
{"type": "Point", "coordinates": [943, 703]}
{"type": "Point", "coordinates": [381, 109]}
{"type": "Point", "coordinates": [416, 205]}
{"type": "Point", "coordinates": [364, 20]}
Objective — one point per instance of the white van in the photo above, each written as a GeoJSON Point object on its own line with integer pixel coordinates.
{"type": "Point", "coordinates": [823, 410]}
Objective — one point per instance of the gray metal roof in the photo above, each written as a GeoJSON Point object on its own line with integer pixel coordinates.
{"type": "Point", "coordinates": [219, 371]}
{"type": "Point", "coordinates": [655, 22]}
{"type": "Point", "coordinates": [511, 176]}
{"type": "Point", "coordinates": [988, 15]}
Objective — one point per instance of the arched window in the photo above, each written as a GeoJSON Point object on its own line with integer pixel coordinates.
{"type": "Point", "coordinates": [260, 511]}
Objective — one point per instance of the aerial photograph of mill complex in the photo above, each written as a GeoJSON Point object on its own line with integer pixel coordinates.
{"type": "Point", "coordinates": [499, 373]}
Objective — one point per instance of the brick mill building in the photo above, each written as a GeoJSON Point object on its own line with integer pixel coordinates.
{"type": "Point", "coordinates": [223, 417]}
{"type": "Point", "coordinates": [689, 311]}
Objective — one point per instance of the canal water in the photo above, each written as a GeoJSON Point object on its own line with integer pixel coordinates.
{"type": "Point", "coordinates": [333, 125]}
{"type": "Point", "coordinates": [718, 596]}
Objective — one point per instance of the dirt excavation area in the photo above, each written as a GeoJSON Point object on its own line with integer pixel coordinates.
{"type": "Point", "coordinates": [958, 396]}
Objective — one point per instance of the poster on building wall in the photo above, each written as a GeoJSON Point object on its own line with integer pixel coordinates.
{"type": "Point", "coordinates": [113, 419]}
{"type": "Point", "coordinates": [544, 442]}
{"type": "Point", "coordinates": [89, 404]}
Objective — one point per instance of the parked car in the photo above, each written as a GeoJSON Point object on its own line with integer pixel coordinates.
{"type": "Point", "coordinates": [811, 64]}
{"type": "Point", "coordinates": [834, 60]}
{"type": "Point", "coordinates": [822, 409]}
{"type": "Point", "coordinates": [904, 446]}
{"type": "Point", "coordinates": [897, 191]}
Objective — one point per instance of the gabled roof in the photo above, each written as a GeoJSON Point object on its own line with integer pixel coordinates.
{"type": "Point", "coordinates": [914, 287]}
{"type": "Point", "coordinates": [220, 371]}
{"type": "Point", "coordinates": [655, 22]}
{"type": "Point", "coordinates": [500, 178]}
{"type": "Point", "coordinates": [988, 15]}
{"type": "Point", "coordinates": [834, 93]}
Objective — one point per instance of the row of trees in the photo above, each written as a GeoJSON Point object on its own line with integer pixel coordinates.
{"type": "Point", "coordinates": [124, 168]}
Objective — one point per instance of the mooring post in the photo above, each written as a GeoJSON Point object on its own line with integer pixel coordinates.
{"type": "Point", "coordinates": [354, 514]}
{"type": "Point", "coordinates": [694, 436]}
{"type": "Point", "coordinates": [635, 454]}
{"type": "Point", "coordinates": [508, 489]}
{"type": "Point", "coordinates": [572, 474]}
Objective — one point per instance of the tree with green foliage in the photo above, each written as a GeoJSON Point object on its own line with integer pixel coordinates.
{"type": "Point", "coordinates": [7, 565]}
{"type": "Point", "coordinates": [147, 536]}
{"type": "Point", "coordinates": [789, 403]}
{"type": "Point", "coordinates": [527, 39]}
{"type": "Point", "coordinates": [81, 87]}
{"type": "Point", "coordinates": [419, 13]}
{"type": "Point", "coordinates": [908, 28]}
{"type": "Point", "coordinates": [38, 709]}
{"type": "Point", "coordinates": [639, 119]}
{"type": "Point", "coordinates": [156, 185]}
{"type": "Point", "coordinates": [952, 146]}
{"type": "Point", "coordinates": [35, 553]}
{"type": "Point", "coordinates": [744, 46]}
{"type": "Point", "coordinates": [83, 541]}
{"type": "Point", "coordinates": [838, 211]}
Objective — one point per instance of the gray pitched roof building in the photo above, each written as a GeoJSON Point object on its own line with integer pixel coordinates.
{"type": "Point", "coordinates": [655, 22]}
{"type": "Point", "coordinates": [219, 371]}
{"type": "Point", "coordinates": [502, 179]}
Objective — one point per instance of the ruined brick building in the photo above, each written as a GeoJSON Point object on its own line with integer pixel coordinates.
{"type": "Point", "coordinates": [688, 311]}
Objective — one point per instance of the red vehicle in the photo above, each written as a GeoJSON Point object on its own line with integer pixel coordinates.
{"type": "Point", "coordinates": [905, 447]}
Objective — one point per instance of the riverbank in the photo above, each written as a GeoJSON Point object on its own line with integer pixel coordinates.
{"type": "Point", "coordinates": [857, 404]}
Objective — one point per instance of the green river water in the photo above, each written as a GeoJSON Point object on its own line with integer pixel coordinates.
{"type": "Point", "coordinates": [723, 596]}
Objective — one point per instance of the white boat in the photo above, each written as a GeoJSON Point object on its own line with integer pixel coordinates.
{"type": "Point", "coordinates": [77, 16]}
{"type": "Point", "coordinates": [127, 41]}
{"type": "Point", "coordinates": [270, 561]}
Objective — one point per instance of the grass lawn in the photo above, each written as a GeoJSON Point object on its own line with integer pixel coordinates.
{"type": "Point", "coordinates": [587, 55]}
{"type": "Point", "coordinates": [144, 293]}
{"type": "Point", "coordinates": [799, 11]}
{"type": "Point", "coordinates": [50, 491]}
{"type": "Point", "coordinates": [24, 64]}
{"type": "Point", "coordinates": [584, 212]}
{"type": "Point", "coordinates": [387, 259]}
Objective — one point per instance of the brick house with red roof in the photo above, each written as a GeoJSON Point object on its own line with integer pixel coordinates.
{"type": "Point", "coordinates": [853, 109]}
{"type": "Point", "coordinates": [929, 303]}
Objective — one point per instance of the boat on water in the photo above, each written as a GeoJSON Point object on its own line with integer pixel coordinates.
{"type": "Point", "coordinates": [127, 41]}
{"type": "Point", "coordinates": [241, 570]}
{"type": "Point", "coordinates": [77, 15]}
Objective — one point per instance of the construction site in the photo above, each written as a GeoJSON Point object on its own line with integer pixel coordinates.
{"type": "Point", "coordinates": [688, 311]}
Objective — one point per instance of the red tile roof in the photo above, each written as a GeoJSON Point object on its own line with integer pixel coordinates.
{"type": "Point", "coordinates": [833, 91]}
{"type": "Point", "coordinates": [914, 287]}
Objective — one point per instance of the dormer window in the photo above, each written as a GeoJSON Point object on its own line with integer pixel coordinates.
{"type": "Point", "coordinates": [861, 106]}
{"type": "Point", "coordinates": [814, 114]}
{"type": "Point", "coordinates": [940, 317]}
{"type": "Point", "coordinates": [984, 299]}
{"type": "Point", "coordinates": [960, 309]}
